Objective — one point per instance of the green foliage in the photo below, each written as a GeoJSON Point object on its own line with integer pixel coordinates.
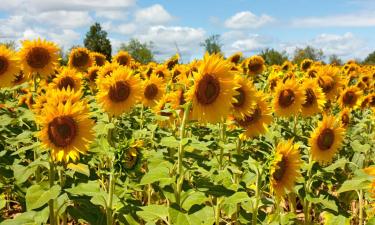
{"type": "Point", "coordinates": [334, 60]}
{"type": "Point", "coordinates": [9, 44]}
{"type": "Point", "coordinates": [370, 59]}
{"type": "Point", "coordinates": [96, 40]}
{"type": "Point", "coordinates": [212, 44]}
{"type": "Point", "coordinates": [307, 53]}
{"type": "Point", "coordinates": [273, 57]}
{"type": "Point", "coordinates": [142, 52]}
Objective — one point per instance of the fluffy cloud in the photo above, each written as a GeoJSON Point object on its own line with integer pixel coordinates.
{"type": "Point", "coordinates": [154, 14]}
{"type": "Point", "coordinates": [65, 19]}
{"type": "Point", "coordinates": [360, 19]}
{"type": "Point", "coordinates": [246, 20]}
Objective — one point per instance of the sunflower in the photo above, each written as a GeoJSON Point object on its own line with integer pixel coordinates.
{"type": "Point", "coordinates": [92, 74]}
{"type": "Point", "coordinates": [66, 129]}
{"type": "Point", "coordinates": [345, 117]}
{"type": "Point", "coordinates": [315, 98]}
{"type": "Point", "coordinates": [68, 77]}
{"type": "Point", "coordinates": [172, 62]}
{"type": "Point", "coordinates": [245, 99]}
{"type": "Point", "coordinates": [107, 70]}
{"type": "Point", "coordinates": [285, 168]}
{"type": "Point", "coordinates": [120, 92]}
{"type": "Point", "coordinates": [177, 71]}
{"type": "Point", "coordinates": [254, 65]}
{"type": "Point", "coordinates": [330, 81]}
{"type": "Point", "coordinates": [235, 58]}
{"type": "Point", "coordinates": [288, 98]}
{"type": "Point", "coordinates": [122, 58]}
{"type": "Point", "coordinates": [19, 78]}
{"type": "Point", "coordinates": [287, 66]}
{"type": "Point", "coordinates": [162, 71]}
{"type": "Point", "coordinates": [306, 64]}
{"type": "Point", "coordinates": [99, 58]}
{"type": "Point", "coordinates": [349, 97]}
{"type": "Point", "coordinates": [312, 72]}
{"type": "Point", "coordinates": [165, 106]}
{"type": "Point", "coordinates": [8, 67]}
{"type": "Point", "coordinates": [56, 96]}
{"type": "Point", "coordinates": [153, 90]}
{"type": "Point", "coordinates": [326, 139]}
{"type": "Point", "coordinates": [273, 79]}
{"type": "Point", "coordinates": [39, 56]}
{"type": "Point", "coordinates": [256, 123]}
{"type": "Point", "coordinates": [213, 90]}
{"type": "Point", "coordinates": [80, 59]}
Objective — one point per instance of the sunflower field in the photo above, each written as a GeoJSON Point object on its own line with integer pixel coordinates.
{"type": "Point", "coordinates": [214, 141]}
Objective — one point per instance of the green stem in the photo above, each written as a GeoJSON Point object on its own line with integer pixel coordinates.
{"type": "Point", "coordinates": [255, 208]}
{"type": "Point", "coordinates": [62, 183]}
{"type": "Point", "coordinates": [112, 182]}
{"type": "Point", "coordinates": [306, 205]}
{"type": "Point", "coordinates": [360, 206]}
{"type": "Point", "coordinates": [238, 177]}
{"type": "Point", "coordinates": [51, 183]}
{"type": "Point", "coordinates": [222, 137]}
{"type": "Point", "coordinates": [180, 175]}
{"type": "Point", "coordinates": [141, 117]}
{"type": "Point", "coordinates": [217, 211]}
{"type": "Point", "coordinates": [149, 193]}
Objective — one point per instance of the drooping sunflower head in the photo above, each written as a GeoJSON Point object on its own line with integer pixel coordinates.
{"type": "Point", "coordinates": [273, 80]}
{"type": "Point", "coordinates": [288, 98]}
{"type": "Point", "coordinates": [39, 56]}
{"type": "Point", "coordinates": [99, 58]}
{"type": "Point", "coordinates": [66, 130]}
{"type": "Point", "coordinates": [285, 168]}
{"type": "Point", "coordinates": [178, 72]}
{"type": "Point", "coordinates": [128, 156]}
{"type": "Point", "coordinates": [213, 90]}
{"type": "Point", "coordinates": [9, 68]}
{"type": "Point", "coordinates": [165, 107]}
{"type": "Point", "coordinates": [68, 77]}
{"type": "Point", "coordinates": [350, 97]}
{"type": "Point", "coordinates": [255, 65]}
{"type": "Point", "coordinates": [326, 140]}
{"type": "Point", "coordinates": [245, 97]}
{"type": "Point", "coordinates": [92, 74]}
{"type": "Point", "coordinates": [153, 90]}
{"type": "Point", "coordinates": [314, 98]}
{"type": "Point", "coordinates": [330, 81]}
{"type": "Point", "coordinates": [172, 61]}
{"type": "Point", "coordinates": [257, 121]}
{"type": "Point", "coordinates": [120, 92]}
{"type": "Point", "coordinates": [306, 64]}
{"type": "Point", "coordinates": [80, 59]}
{"type": "Point", "coordinates": [123, 58]}
{"type": "Point", "coordinates": [345, 117]}
{"type": "Point", "coordinates": [235, 58]}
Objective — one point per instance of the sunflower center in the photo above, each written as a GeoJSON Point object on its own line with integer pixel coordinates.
{"type": "Point", "coordinates": [286, 98]}
{"type": "Point", "coordinates": [3, 65]}
{"type": "Point", "coordinates": [151, 91]}
{"type": "Point", "coordinates": [312, 73]}
{"type": "Point", "coordinates": [306, 66]}
{"type": "Point", "coordinates": [93, 75]}
{"type": "Point", "coordinates": [65, 82]}
{"type": "Point", "coordinates": [253, 118]}
{"type": "Point", "coordinates": [273, 84]}
{"type": "Point", "coordinates": [326, 85]}
{"type": "Point", "coordinates": [175, 75]}
{"type": "Point", "coordinates": [80, 59]}
{"type": "Point", "coordinates": [326, 139]}
{"type": "Point", "coordinates": [19, 77]}
{"type": "Point", "coordinates": [310, 98]}
{"type": "Point", "coordinates": [345, 119]}
{"type": "Point", "coordinates": [281, 169]}
{"type": "Point", "coordinates": [254, 67]}
{"type": "Point", "coordinates": [240, 98]}
{"type": "Point", "coordinates": [62, 131]}
{"type": "Point", "coordinates": [100, 61]}
{"type": "Point", "coordinates": [123, 60]}
{"type": "Point", "coordinates": [208, 90]}
{"type": "Point", "coordinates": [119, 92]}
{"type": "Point", "coordinates": [349, 98]}
{"type": "Point", "coordinates": [160, 74]}
{"type": "Point", "coordinates": [38, 57]}
{"type": "Point", "coordinates": [235, 59]}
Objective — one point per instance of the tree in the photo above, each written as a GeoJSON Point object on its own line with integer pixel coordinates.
{"type": "Point", "coordinates": [370, 59]}
{"type": "Point", "coordinates": [9, 44]}
{"type": "Point", "coordinates": [212, 44]}
{"type": "Point", "coordinates": [307, 53]}
{"type": "Point", "coordinates": [334, 60]}
{"type": "Point", "coordinates": [142, 52]}
{"type": "Point", "coordinates": [96, 40]}
{"type": "Point", "coordinates": [273, 57]}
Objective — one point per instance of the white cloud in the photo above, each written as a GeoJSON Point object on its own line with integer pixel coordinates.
{"type": "Point", "coordinates": [112, 14]}
{"type": "Point", "coordinates": [66, 38]}
{"type": "Point", "coordinates": [65, 19]}
{"type": "Point", "coordinates": [360, 19]}
{"type": "Point", "coordinates": [127, 28]}
{"type": "Point", "coordinates": [246, 20]}
{"type": "Point", "coordinates": [154, 14]}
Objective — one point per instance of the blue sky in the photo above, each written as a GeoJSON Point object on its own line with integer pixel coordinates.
{"type": "Point", "coordinates": [342, 27]}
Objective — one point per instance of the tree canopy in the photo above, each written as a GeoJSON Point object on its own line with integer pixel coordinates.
{"type": "Point", "coordinates": [96, 40]}
{"type": "Point", "coordinates": [142, 52]}
{"type": "Point", "coordinates": [212, 44]}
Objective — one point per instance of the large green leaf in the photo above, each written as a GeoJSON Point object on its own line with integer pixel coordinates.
{"type": "Point", "coordinates": [156, 174]}
{"type": "Point", "coordinates": [37, 195]}
{"type": "Point", "coordinates": [90, 188]}
{"type": "Point", "coordinates": [153, 212]}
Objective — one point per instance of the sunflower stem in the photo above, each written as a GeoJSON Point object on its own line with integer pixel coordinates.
{"type": "Point", "coordinates": [51, 183]}
{"type": "Point", "coordinates": [238, 177]}
{"type": "Point", "coordinates": [112, 182]}
{"type": "Point", "coordinates": [306, 205]}
{"type": "Point", "coordinates": [255, 208]}
{"type": "Point", "coordinates": [62, 183]}
{"type": "Point", "coordinates": [217, 211]}
{"type": "Point", "coordinates": [360, 206]}
{"type": "Point", "coordinates": [180, 176]}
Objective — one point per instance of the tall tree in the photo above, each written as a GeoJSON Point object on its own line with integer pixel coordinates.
{"type": "Point", "coordinates": [212, 44]}
{"type": "Point", "coordinates": [307, 53]}
{"type": "Point", "coordinates": [142, 52]}
{"type": "Point", "coordinates": [370, 59]}
{"type": "Point", "coordinates": [273, 57]}
{"type": "Point", "coordinates": [96, 40]}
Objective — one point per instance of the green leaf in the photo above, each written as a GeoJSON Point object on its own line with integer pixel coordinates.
{"type": "Point", "coordinates": [153, 212]}
{"type": "Point", "coordinates": [22, 173]}
{"type": "Point", "coordinates": [330, 219]}
{"type": "Point", "coordinates": [195, 198]}
{"type": "Point", "coordinates": [90, 188]}
{"type": "Point", "coordinates": [237, 198]}
{"type": "Point", "coordinates": [156, 174]}
{"type": "Point", "coordinates": [324, 201]}
{"type": "Point", "coordinates": [37, 195]}
{"type": "Point", "coordinates": [358, 147]}
{"type": "Point", "coordinates": [359, 181]}
{"type": "Point", "coordinates": [2, 201]}
{"type": "Point", "coordinates": [80, 168]}
{"type": "Point", "coordinates": [170, 142]}
{"type": "Point", "coordinates": [338, 164]}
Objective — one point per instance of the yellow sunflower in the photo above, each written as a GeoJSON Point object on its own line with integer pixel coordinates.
{"type": "Point", "coordinates": [19, 78]}
{"type": "Point", "coordinates": [273, 80]}
{"type": "Point", "coordinates": [345, 117]}
{"type": "Point", "coordinates": [165, 106]}
{"type": "Point", "coordinates": [245, 99]}
{"type": "Point", "coordinates": [120, 92]}
{"type": "Point", "coordinates": [80, 59]}
{"type": "Point", "coordinates": [123, 58]}
{"type": "Point", "coordinates": [213, 90]}
{"type": "Point", "coordinates": [287, 66]}
{"type": "Point", "coordinates": [162, 71]}
{"type": "Point", "coordinates": [256, 123]}
{"type": "Point", "coordinates": [107, 70]}
{"type": "Point", "coordinates": [92, 74]}
{"type": "Point", "coordinates": [326, 140]}
{"type": "Point", "coordinates": [235, 58]}
{"type": "Point", "coordinates": [306, 64]}
{"type": "Point", "coordinates": [285, 168]}
{"type": "Point", "coordinates": [312, 72]}
{"type": "Point", "coordinates": [66, 129]}
{"type": "Point", "coordinates": [153, 90]}
{"type": "Point", "coordinates": [349, 97]}
{"type": "Point", "coordinates": [330, 81]}
{"type": "Point", "coordinates": [99, 58]}
{"type": "Point", "coordinates": [68, 77]}
{"type": "Point", "coordinates": [254, 65]}
{"type": "Point", "coordinates": [172, 62]}
{"type": "Point", "coordinates": [288, 98]}
{"type": "Point", "coordinates": [39, 56]}
{"type": "Point", "coordinates": [9, 68]}
{"type": "Point", "coordinates": [314, 98]}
